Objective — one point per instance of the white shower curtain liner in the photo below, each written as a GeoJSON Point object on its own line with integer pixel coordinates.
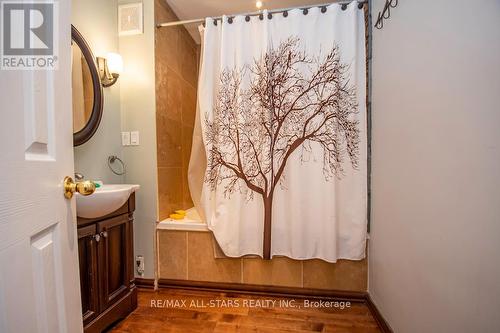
{"type": "Point", "coordinates": [279, 160]}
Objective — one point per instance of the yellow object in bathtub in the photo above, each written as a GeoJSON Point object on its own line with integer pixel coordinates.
{"type": "Point", "coordinates": [180, 212]}
{"type": "Point", "coordinates": [177, 216]}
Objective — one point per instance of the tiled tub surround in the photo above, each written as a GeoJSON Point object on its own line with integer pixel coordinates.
{"type": "Point", "coordinates": [189, 255]}
{"type": "Point", "coordinates": [192, 222]}
{"type": "Point", "coordinates": [176, 67]}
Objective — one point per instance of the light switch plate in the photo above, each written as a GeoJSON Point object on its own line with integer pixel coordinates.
{"type": "Point", "coordinates": [125, 138]}
{"type": "Point", "coordinates": [134, 138]}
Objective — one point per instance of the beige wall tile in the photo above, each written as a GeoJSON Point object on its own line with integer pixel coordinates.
{"type": "Point", "coordinates": [187, 201]}
{"type": "Point", "coordinates": [169, 142]}
{"type": "Point", "coordinates": [279, 271]}
{"type": "Point", "coordinates": [163, 12]}
{"type": "Point", "coordinates": [189, 67]}
{"type": "Point", "coordinates": [172, 254]}
{"type": "Point", "coordinates": [176, 66]}
{"type": "Point", "coordinates": [343, 275]}
{"type": "Point", "coordinates": [169, 191]}
{"type": "Point", "coordinates": [188, 58]}
{"type": "Point", "coordinates": [187, 141]}
{"type": "Point", "coordinates": [173, 92]}
{"type": "Point", "coordinates": [188, 104]}
{"type": "Point", "coordinates": [202, 266]}
{"type": "Point", "coordinates": [167, 39]}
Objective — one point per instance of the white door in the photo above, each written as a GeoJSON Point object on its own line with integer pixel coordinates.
{"type": "Point", "coordinates": [39, 280]}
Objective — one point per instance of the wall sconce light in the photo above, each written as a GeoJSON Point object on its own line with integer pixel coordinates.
{"type": "Point", "coordinates": [109, 68]}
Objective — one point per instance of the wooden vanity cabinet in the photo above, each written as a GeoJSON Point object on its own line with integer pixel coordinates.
{"type": "Point", "coordinates": [105, 250]}
{"type": "Point", "coordinates": [87, 257]}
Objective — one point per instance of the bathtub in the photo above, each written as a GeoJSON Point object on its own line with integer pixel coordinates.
{"type": "Point", "coordinates": [192, 222]}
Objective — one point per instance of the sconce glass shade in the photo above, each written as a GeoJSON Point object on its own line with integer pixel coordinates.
{"type": "Point", "coordinates": [115, 63]}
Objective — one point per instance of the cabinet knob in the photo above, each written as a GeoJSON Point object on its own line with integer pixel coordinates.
{"type": "Point", "coordinates": [104, 234]}
{"type": "Point", "coordinates": [97, 238]}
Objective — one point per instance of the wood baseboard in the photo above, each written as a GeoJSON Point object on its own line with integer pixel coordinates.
{"type": "Point", "coordinates": [352, 296]}
{"type": "Point", "coordinates": [145, 283]}
{"type": "Point", "coordinates": [382, 323]}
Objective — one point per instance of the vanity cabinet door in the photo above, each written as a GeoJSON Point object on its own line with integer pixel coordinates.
{"type": "Point", "coordinates": [87, 257]}
{"type": "Point", "coordinates": [114, 279]}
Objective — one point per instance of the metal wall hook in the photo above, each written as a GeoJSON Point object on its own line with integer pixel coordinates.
{"type": "Point", "coordinates": [385, 13]}
{"type": "Point", "coordinates": [380, 23]}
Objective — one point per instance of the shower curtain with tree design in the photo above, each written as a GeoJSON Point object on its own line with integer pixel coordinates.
{"type": "Point", "coordinates": [282, 113]}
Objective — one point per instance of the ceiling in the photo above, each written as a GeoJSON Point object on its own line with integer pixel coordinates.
{"type": "Point", "coordinates": [194, 9]}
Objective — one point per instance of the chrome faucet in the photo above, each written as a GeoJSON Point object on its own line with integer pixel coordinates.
{"type": "Point", "coordinates": [78, 176]}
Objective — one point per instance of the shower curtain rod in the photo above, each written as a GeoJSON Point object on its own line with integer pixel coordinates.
{"type": "Point", "coordinates": [272, 11]}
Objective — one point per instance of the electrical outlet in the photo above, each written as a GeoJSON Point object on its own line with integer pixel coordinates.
{"type": "Point", "coordinates": [139, 264]}
{"type": "Point", "coordinates": [134, 138]}
{"type": "Point", "coordinates": [125, 138]}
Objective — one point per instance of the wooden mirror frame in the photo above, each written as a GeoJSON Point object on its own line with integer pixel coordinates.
{"type": "Point", "coordinates": [92, 124]}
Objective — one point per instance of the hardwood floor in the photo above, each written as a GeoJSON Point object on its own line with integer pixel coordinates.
{"type": "Point", "coordinates": [186, 311]}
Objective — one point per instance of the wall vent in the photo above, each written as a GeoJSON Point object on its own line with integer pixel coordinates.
{"type": "Point", "coordinates": [130, 19]}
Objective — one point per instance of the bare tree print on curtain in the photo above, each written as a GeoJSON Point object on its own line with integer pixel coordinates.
{"type": "Point", "coordinates": [292, 101]}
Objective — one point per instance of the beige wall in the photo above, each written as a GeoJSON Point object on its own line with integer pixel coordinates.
{"type": "Point", "coordinates": [138, 114]}
{"type": "Point", "coordinates": [100, 33]}
{"type": "Point", "coordinates": [434, 244]}
{"type": "Point", "coordinates": [176, 65]}
{"type": "Point", "coordinates": [190, 256]}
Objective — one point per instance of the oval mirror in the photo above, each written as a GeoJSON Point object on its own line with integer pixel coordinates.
{"type": "Point", "coordinates": [87, 90]}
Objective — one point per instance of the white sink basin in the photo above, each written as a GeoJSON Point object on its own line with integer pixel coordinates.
{"type": "Point", "coordinates": [106, 199]}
